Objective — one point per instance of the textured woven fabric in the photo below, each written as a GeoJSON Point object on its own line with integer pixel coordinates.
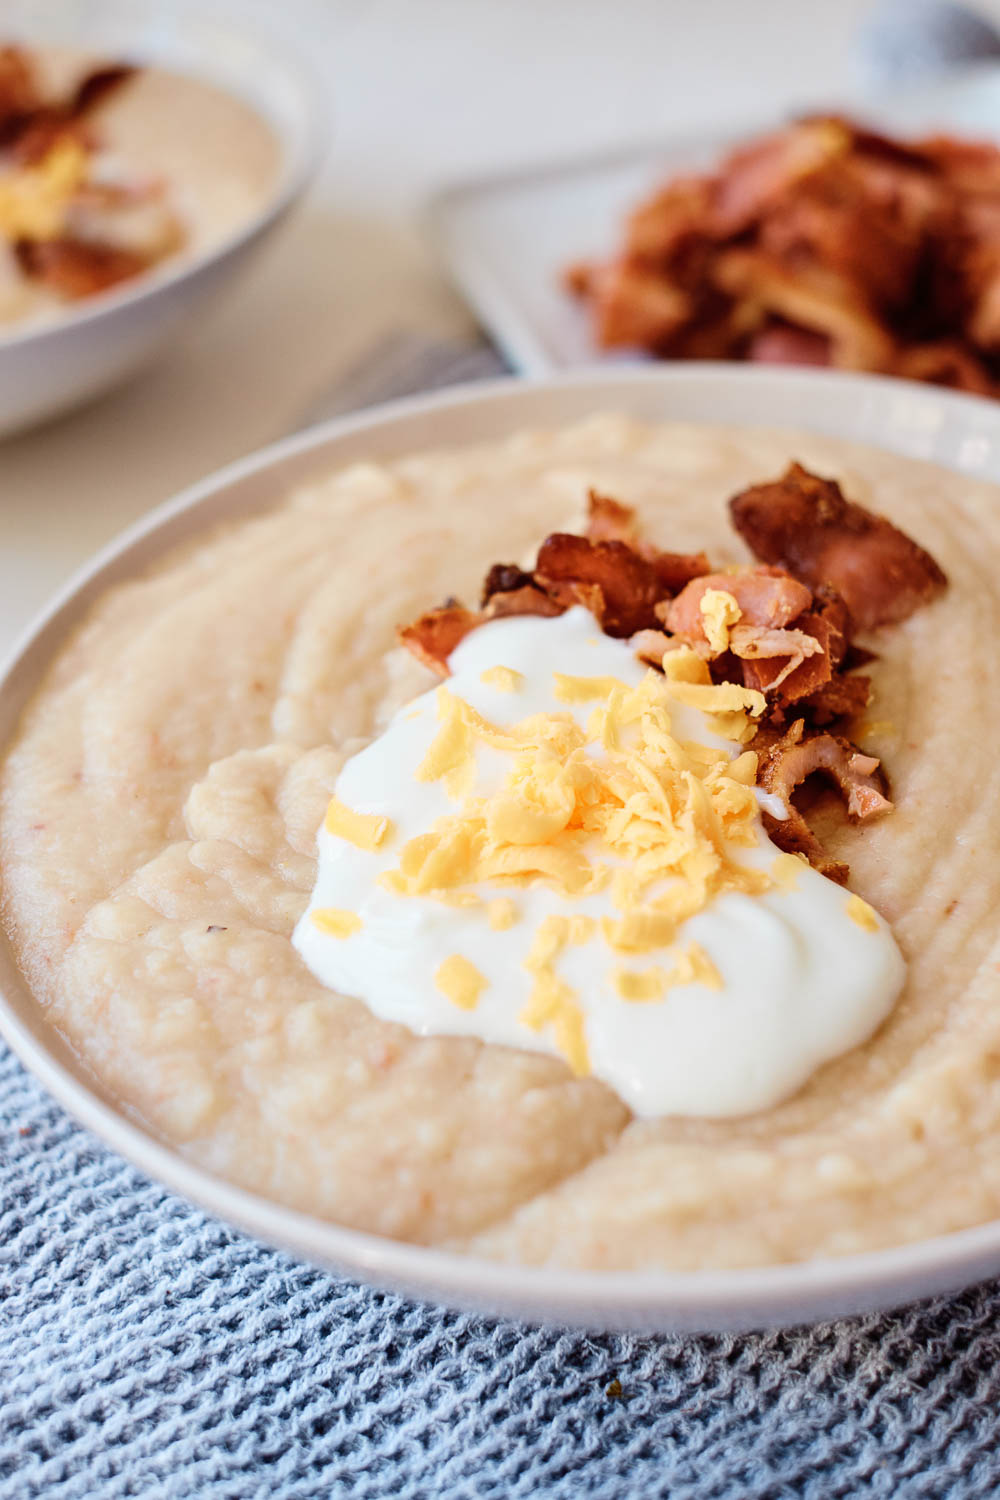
{"type": "Point", "coordinates": [148, 1351]}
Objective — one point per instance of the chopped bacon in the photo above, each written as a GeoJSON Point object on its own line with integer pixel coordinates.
{"type": "Point", "coordinates": [572, 568]}
{"type": "Point", "coordinates": [766, 596]}
{"type": "Point", "coordinates": [525, 600]}
{"type": "Point", "coordinates": [825, 242]}
{"type": "Point", "coordinates": [636, 306]}
{"type": "Point", "coordinates": [831, 624]}
{"type": "Point", "coordinates": [567, 592]}
{"type": "Point", "coordinates": [812, 296]}
{"type": "Point", "coordinates": [676, 569]}
{"type": "Point", "coordinates": [77, 268]}
{"type": "Point", "coordinates": [840, 698]}
{"type": "Point", "coordinates": [791, 661]}
{"type": "Point", "coordinates": [794, 836]}
{"type": "Point", "coordinates": [858, 656]}
{"type": "Point", "coordinates": [791, 642]}
{"type": "Point", "coordinates": [672, 224]}
{"type": "Point", "coordinates": [805, 524]}
{"type": "Point", "coordinates": [435, 635]}
{"type": "Point", "coordinates": [27, 120]}
{"type": "Point", "coordinates": [756, 176]}
{"type": "Point", "coordinates": [785, 762]}
{"type": "Point", "coordinates": [815, 668]}
{"type": "Point", "coordinates": [652, 645]}
{"type": "Point", "coordinates": [503, 578]}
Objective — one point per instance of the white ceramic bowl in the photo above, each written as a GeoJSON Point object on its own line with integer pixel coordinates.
{"type": "Point", "coordinates": [46, 369]}
{"type": "Point", "coordinates": [904, 417]}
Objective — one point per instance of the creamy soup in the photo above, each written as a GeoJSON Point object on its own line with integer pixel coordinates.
{"type": "Point", "coordinates": [161, 805]}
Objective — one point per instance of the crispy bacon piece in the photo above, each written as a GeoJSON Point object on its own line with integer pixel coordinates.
{"type": "Point", "coordinates": [825, 626]}
{"type": "Point", "coordinates": [805, 524]}
{"type": "Point", "coordinates": [822, 243]}
{"type": "Point", "coordinates": [621, 586]}
{"type": "Point", "coordinates": [672, 226]}
{"type": "Point", "coordinates": [634, 306]}
{"type": "Point", "coordinates": [567, 593]}
{"type": "Point", "coordinates": [831, 624]}
{"type": "Point", "coordinates": [784, 763]}
{"type": "Point", "coordinates": [791, 663]}
{"type": "Point", "coordinates": [811, 296]}
{"type": "Point", "coordinates": [972, 166]}
{"type": "Point", "coordinates": [28, 124]}
{"type": "Point", "coordinates": [525, 600]}
{"type": "Point", "coordinates": [652, 645]}
{"type": "Point", "coordinates": [435, 635]}
{"type": "Point", "coordinates": [840, 698]}
{"type": "Point", "coordinates": [503, 578]}
{"type": "Point", "coordinates": [767, 597]}
{"type": "Point", "coordinates": [676, 569]}
{"type": "Point", "coordinates": [78, 268]}
{"type": "Point", "coordinates": [755, 177]}
{"type": "Point", "coordinates": [794, 836]}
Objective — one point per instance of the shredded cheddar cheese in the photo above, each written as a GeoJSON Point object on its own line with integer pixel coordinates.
{"type": "Point", "coordinates": [692, 966]}
{"type": "Point", "coordinates": [501, 913]}
{"type": "Point", "coordinates": [719, 610]}
{"type": "Point", "coordinates": [554, 1004]}
{"type": "Point", "coordinates": [33, 200]}
{"type": "Point", "coordinates": [336, 922]}
{"type": "Point", "coordinates": [504, 679]}
{"type": "Point", "coordinates": [860, 912]}
{"type": "Point", "coordinates": [620, 803]}
{"type": "Point", "coordinates": [785, 871]}
{"type": "Point", "coordinates": [583, 689]}
{"type": "Point", "coordinates": [363, 830]}
{"type": "Point", "coordinates": [460, 982]}
{"type": "Point", "coordinates": [650, 984]}
{"type": "Point", "coordinates": [572, 817]}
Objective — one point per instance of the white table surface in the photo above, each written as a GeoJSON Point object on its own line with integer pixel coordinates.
{"type": "Point", "coordinates": [421, 92]}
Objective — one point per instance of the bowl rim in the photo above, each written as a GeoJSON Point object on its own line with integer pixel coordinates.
{"type": "Point", "coordinates": [300, 153]}
{"type": "Point", "coordinates": [693, 1300]}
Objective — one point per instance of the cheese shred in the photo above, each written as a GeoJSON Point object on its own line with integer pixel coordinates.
{"type": "Point", "coordinates": [335, 922]}
{"type": "Point", "coordinates": [862, 914]}
{"type": "Point", "coordinates": [460, 982]}
{"type": "Point", "coordinates": [622, 802]}
{"type": "Point", "coordinates": [364, 830]}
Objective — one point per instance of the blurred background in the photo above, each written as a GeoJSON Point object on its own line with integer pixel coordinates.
{"type": "Point", "coordinates": [414, 95]}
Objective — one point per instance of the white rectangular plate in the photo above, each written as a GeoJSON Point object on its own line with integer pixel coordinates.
{"type": "Point", "coordinates": [506, 240]}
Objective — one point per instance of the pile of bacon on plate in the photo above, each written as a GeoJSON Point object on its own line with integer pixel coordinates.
{"type": "Point", "coordinates": [73, 227]}
{"type": "Point", "coordinates": [825, 243]}
{"type": "Point", "coordinates": [828, 567]}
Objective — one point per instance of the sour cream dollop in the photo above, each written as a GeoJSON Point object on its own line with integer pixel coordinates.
{"type": "Point", "coordinates": [783, 979]}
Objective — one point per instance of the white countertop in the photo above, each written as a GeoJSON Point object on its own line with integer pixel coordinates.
{"type": "Point", "coordinates": [420, 94]}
